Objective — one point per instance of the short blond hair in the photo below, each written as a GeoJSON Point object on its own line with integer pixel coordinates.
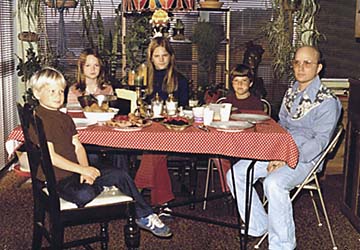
{"type": "Point", "coordinates": [46, 77]}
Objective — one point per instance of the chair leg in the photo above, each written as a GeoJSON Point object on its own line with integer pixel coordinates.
{"type": "Point", "coordinates": [212, 179]}
{"type": "Point", "coordinates": [257, 246]}
{"type": "Point", "coordinates": [315, 208]}
{"type": "Point", "coordinates": [325, 214]}
{"type": "Point", "coordinates": [104, 235]}
{"type": "Point", "coordinates": [39, 218]}
{"type": "Point", "coordinates": [57, 237]}
{"type": "Point", "coordinates": [131, 230]}
{"type": "Point", "coordinates": [207, 183]}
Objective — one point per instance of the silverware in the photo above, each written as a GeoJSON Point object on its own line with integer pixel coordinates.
{"type": "Point", "coordinates": [203, 128]}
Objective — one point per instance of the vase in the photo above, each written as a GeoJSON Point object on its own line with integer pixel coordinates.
{"type": "Point", "coordinates": [28, 36]}
{"type": "Point", "coordinates": [211, 4]}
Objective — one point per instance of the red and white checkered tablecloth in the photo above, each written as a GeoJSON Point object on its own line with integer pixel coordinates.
{"type": "Point", "coordinates": [266, 141]}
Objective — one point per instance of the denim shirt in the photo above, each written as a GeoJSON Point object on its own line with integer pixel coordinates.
{"type": "Point", "coordinates": [311, 117]}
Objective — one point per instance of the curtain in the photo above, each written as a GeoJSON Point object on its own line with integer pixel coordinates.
{"type": "Point", "coordinates": [8, 88]}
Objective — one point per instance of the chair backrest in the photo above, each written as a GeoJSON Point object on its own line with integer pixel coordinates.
{"type": "Point", "coordinates": [267, 106]}
{"type": "Point", "coordinates": [327, 151]}
{"type": "Point", "coordinates": [220, 100]}
{"type": "Point", "coordinates": [38, 157]}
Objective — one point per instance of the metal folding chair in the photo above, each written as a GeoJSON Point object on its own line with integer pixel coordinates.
{"type": "Point", "coordinates": [215, 163]}
{"type": "Point", "coordinates": [311, 183]}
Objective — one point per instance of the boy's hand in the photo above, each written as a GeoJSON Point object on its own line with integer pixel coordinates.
{"type": "Point", "coordinates": [275, 165]}
{"type": "Point", "coordinates": [89, 174]}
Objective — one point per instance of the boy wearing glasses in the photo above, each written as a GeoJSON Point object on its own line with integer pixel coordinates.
{"type": "Point", "coordinates": [309, 112]}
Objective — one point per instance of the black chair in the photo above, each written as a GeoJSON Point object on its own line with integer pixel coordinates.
{"type": "Point", "coordinates": [111, 204]}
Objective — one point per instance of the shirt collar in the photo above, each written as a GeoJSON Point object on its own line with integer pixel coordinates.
{"type": "Point", "coordinates": [312, 89]}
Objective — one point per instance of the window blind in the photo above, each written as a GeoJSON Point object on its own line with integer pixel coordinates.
{"type": "Point", "coordinates": [7, 82]}
{"type": "Point", "coordinates": [247, 19]}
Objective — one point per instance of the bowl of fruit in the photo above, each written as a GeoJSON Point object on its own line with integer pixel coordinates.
{"type": "Point", "coordinates": [177, 123]}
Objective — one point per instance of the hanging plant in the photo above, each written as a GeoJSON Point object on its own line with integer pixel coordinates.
{"type": "Point", "coordinates": [292, 25]}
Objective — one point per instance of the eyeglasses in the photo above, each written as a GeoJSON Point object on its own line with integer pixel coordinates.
{"type": "Point", "coordinates": [306, 64]}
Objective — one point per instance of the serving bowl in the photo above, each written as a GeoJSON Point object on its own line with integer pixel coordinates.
{"type": "Point", "coordinates": [177, 123]}
{"type": "Point", "coordinates": [101, 116]}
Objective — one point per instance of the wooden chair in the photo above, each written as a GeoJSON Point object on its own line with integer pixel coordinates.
{"type": "Point", "coordinates": [311, 183]}
{"type": "Point", "coordinates": [111, 204]}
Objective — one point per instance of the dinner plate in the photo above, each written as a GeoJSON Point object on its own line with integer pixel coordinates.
{"type": "Point", "coordinates": [231, 126]}
{"type": "Point", "coordinates": [252, 118]}
{"type": "Point", "coordinates": [127, 129]}
{"type": "Point", "coordinates": [82, 123]}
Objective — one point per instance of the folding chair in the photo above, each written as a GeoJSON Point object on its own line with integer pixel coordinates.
{"type": "Point", "coordinates": [215, 163]}
{"type": "Point", "coordinates": [111, 204]}
{"type": "Point", "coordinates": [311, 183]}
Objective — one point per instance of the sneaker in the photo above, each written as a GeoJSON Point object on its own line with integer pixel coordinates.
{"type": "Point", "coordinates": [153, 224]}
{"type": "Point", "coordinates": [165, 212]}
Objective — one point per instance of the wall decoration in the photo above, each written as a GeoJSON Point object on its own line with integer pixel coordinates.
{"type": "Point", "coordinates": [142, 5]}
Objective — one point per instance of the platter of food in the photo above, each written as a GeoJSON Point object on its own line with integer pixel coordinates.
{"type": "Point", "coordinates": [128, 123]}
{"type": "Point", "coordinates": [176, 123]}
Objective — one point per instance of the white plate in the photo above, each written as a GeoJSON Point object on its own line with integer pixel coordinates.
{"type": "Point", "coordinates": [252, 118]}
{"type": "Point", "coordinates": [127, 129]}
{"type": "Point", "coordinates": [231, 126]}
{"type": "Point", "coordinates": [82, 123]}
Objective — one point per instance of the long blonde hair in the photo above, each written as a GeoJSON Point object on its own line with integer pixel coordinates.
{"type": "Point", "coordinates": [170, 83]}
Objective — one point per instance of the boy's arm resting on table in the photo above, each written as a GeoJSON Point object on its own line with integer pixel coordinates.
{"type": "Point", "coordinates": [87, 173]}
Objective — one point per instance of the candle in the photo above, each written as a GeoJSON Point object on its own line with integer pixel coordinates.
{"type": "Point", "coordinates": [139, 80]}
{"type": "Point", "coordinates": [131, 78]}
{"type": "Point", "coordinates": [143, 72]}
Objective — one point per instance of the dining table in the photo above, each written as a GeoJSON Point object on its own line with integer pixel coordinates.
{"type": "Point", "coordinates": [265, 140]}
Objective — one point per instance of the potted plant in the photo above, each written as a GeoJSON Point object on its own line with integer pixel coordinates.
{"type": "Point", "coordinates": [61, 3]}
{"type": "Point", "coordinates": [207, 36]}
{"type": "Point", "coordinates": [28, 36]}
{"type": "Point", "coordinates": [137, 40]}
{"type": "Point", "coordinates": [26, 68]}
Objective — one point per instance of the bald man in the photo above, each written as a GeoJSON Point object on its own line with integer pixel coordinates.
{"type": "Point", "coordinates": [309, 112]}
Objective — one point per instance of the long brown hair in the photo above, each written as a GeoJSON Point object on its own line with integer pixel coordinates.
{"type": "Point", "coordinates": [81, 84]}
{"type": "Point", "coordinates": [170, 83]}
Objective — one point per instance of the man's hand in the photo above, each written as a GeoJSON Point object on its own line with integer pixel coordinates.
{"type": "Point", "coordinates": [274, 165]}
{"type": "Point", "coordinates": [89, 174]}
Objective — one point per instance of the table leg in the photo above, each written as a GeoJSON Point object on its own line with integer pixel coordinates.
{"type": "Point", "coordinates": [248, 194]}
{"type": "Point", "coordinates": [193, 182]}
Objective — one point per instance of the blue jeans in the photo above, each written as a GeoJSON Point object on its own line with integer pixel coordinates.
{"type": "Point", "coordinates": [72, 190]}
{"type": "Point", "coordinates": [277, 185]}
